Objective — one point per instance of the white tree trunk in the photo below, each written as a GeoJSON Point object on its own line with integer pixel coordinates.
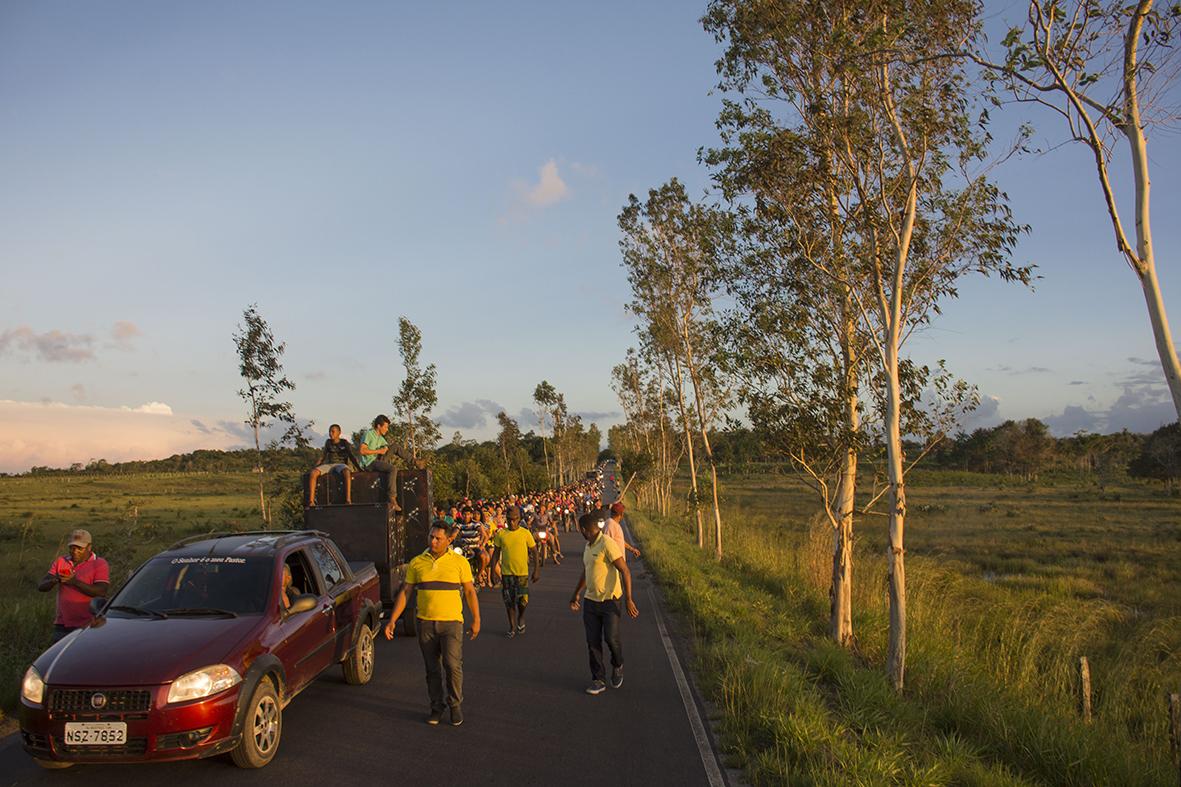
{"type": "Point", "coordinates": [1145, 266]}
{"type": "Point", "coordinates": [680, 383]}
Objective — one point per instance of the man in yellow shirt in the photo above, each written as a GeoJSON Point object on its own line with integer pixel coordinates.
{"type": "Point", "coordinates": [439, 575]}
{"type": "Point", "coordinates": [513, 549]}
{"type": "Point", "coordinates": [606, 578]}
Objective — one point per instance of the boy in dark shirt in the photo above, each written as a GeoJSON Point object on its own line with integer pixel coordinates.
{"type": "Point", "coordinates": [336, 457]}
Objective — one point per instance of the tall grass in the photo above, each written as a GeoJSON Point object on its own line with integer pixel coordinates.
{"type": "Point", "coordinates": [991, 680]}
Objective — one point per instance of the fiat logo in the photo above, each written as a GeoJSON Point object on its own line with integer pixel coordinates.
{"type": "Point", "coordinates": [98, 700]}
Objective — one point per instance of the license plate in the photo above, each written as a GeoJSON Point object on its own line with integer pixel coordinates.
{"type": "Point", "coordinates": [96, 733]}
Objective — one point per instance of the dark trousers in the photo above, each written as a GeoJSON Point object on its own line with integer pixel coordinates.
{"type": "Point", "coordinates": [441, 642]}
{"type": "Point", "coordinates": [60, 631]}
{"type": "Point", "coordinates": [601, 620]}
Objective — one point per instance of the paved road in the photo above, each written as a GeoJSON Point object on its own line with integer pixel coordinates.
{"type": "Point", "coordinates": [527, 720]}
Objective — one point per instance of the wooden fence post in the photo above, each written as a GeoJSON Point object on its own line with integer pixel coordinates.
{"type": "Point", "coordinates": [1084, 674]}
{"type": "Point", "coordinates": [1175, 731]}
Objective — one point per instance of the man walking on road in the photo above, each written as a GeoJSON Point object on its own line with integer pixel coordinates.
{"type": "Point", "coordinates": [614, 530]}
{"type": "Point", "coordinates": [513, 549]}
{"type": "Point", "coordinates": [439, 575]}
{"type": "Point", "coordinates": [606, 578]}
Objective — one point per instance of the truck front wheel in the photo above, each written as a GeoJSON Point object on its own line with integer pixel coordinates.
{"type": "Point", "coordinates": [358, 666]}
{"type": "Point", "coordinates": [263, 728]}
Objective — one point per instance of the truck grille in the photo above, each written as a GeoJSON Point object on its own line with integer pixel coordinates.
{"type": "Point", "coordinates": [82, 701]}
{"type": "Point", "coordinates": [133, 746]}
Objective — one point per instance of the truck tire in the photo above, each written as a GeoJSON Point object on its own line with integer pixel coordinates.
{"type": "Point", "coordinates": [358, 665]}
{"type": "Point", "coordinates": [263, 728]}
{"type": "Point", "coordinates": [409, 624]}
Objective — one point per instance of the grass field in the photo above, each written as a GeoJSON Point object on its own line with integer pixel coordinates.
{"type": "Point", "coordinates": [1009, 584]}
{"type": "Point", "coordinates": [131, 518]}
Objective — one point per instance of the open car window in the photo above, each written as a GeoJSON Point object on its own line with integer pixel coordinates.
{"type": "Point", "coordinates": [210, 583]}
{"type": "Point", "coordinates": [303, 578]}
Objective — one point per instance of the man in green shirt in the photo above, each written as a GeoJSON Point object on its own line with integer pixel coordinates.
{"type": "Point", "coordinates": [513, 549]}
{"type": "Point", "coordinates": [375, 452]}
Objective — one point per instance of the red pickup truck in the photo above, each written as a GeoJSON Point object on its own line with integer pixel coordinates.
{"type": "Point", "coordinates": [200, 651]}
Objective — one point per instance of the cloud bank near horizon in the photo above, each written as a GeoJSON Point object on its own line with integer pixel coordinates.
{"type": "Point", "coordinates": [57, 434]}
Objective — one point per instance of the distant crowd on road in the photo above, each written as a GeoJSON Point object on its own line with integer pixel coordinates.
{"type": "Point", "coordinates": [472, 545]}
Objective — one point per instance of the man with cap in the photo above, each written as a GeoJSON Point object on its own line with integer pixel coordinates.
{"type": "Point", "coordinates": [78, 576]}
{"type": "Point", "coordinates": [614, 530]}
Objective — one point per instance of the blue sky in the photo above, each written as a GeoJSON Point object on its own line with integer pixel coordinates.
{"type": "Point", "coordinates": [166, 164]}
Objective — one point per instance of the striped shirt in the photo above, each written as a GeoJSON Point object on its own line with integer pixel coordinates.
{"type": "Point", "coordinates": [439, 584]}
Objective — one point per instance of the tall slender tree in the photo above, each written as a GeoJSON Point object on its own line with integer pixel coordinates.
{"type": "Point", "coordinates": [260, 362]}
{"type": "Point", "coordinates": [417, 395]}
{"type": "Point", "coordinates": [672, 249]}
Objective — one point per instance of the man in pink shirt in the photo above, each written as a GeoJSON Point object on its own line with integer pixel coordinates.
{"type": "Point", "coordinates": [78, 577]}
{"type": "Point", "coordinates": [614, 530]}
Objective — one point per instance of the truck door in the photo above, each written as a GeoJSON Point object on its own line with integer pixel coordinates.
{"type": "Point", "coordinates": [341, 594]}
{"type": "Point", "coordinates": [308, 638]}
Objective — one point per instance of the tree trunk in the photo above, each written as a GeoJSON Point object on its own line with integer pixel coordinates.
{"type": "Point", "coordinates": [680, 381]}
{"type": "Point", "coordinates": [709, 454]}
{"type": "Point", "coordinates": [1144, 262]}
{"type": "Point", "coordinates": [896, 554]}
{"type": "Point", "coordinates": [841, 619]}
{"type": "Point", "coordinates": [262, 501]}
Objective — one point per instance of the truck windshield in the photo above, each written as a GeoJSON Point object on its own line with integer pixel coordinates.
{"type": "Point", "coordinates": [210, 584]}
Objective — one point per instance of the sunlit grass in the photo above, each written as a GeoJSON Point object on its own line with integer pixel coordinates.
{"type": "Point", "coordinates": [992, 684]}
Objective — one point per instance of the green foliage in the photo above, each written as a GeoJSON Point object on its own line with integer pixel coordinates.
{"type": "Point", "coordinates": [416, 396]}
{"type": "Point", "coordinates": [1160, 456]}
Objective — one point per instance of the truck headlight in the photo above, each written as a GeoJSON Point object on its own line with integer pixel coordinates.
{"type": "Point", "coordinates": [203, 683]}
{"type": "Point", "coordinates": [33, 687]}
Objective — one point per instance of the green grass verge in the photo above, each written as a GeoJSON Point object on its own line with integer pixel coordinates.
{"type": "Point", "coordinates": [989, 688]}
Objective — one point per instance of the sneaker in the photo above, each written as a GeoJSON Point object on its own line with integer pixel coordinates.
{"type": "Point", "coordinates": [456, 716]}
{"type": "Point", "coordinates": [617, 677]}
{"type": "Point", "coordinates": [596, 687]}
{"type": "Point", "coordinates": [435, 717]}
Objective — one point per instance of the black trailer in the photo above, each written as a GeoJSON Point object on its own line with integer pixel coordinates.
{"type": "Point", "coordinates": [372, 527]}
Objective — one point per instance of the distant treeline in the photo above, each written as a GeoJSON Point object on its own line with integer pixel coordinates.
{"type": "Point", "coordinates": [461, 468]}
{"type": "Point", "coordinates": [1016, 448]}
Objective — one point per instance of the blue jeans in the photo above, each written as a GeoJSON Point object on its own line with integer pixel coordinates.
{"type": "Point", "coordinates": [601, 620]}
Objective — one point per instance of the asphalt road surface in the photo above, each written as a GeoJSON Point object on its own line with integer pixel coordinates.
{"type": "Point", "coordinates": [527, 719]}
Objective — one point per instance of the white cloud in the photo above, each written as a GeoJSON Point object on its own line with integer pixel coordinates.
{"type": "Point", "coordinates": [151, 408]}
{"type": "Point", "coordinates": [548, 190]}
{"type": "Point", "coordinates": [550, 187]}
{"type": "Point", "coordinates": [56, 434]}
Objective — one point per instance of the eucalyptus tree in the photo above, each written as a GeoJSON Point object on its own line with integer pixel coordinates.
{"type": "Point", "coordinates": [545, 397]}
{"type": "Point", "coordinates": [903, 210]}
{"type": "Point", "coordinates": [672, 248]}
{"type": "Point", "coordinates": [794, 332]}
{"type": "Point", "coordinates": [417, 395]}
{"type": "Point", "coordinates": [1103, 69]}
{"type": "Point", "coordinates": [646, 401]}
{"type": "Point", "coordinates": [509, 441]}
{"type": "Point", "coordinates": [260, 363]}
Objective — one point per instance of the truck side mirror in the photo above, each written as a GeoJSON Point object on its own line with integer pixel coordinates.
{"type": "Point", "coordinates": [302, 604]}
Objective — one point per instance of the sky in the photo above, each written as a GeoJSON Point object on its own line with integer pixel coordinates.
{"type": "Point", "coordinates": [164, 165]}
